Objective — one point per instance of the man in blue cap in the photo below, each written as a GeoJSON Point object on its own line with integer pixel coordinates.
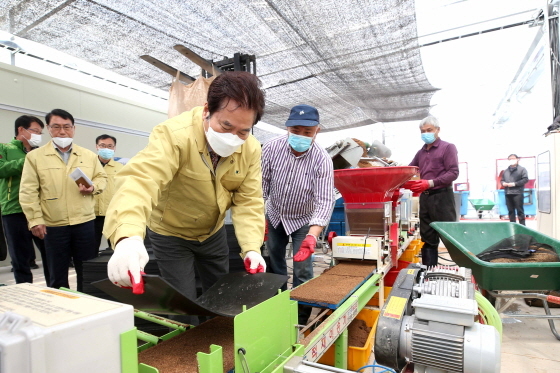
{"type": "Point", "coordinates": [298, 188]}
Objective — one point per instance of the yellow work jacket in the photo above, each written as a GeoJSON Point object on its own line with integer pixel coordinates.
{"type": "Point", "coordinates": [171, 186]}
{"type": "Point", "coordinates": [102, 200]}
{"type": "Point", "coordinates": [49, 196]}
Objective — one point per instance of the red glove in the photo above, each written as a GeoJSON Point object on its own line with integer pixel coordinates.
{"type": "Point", "coordinates": [254, 263]}
{"type": "Point", "coordinates": [419, 185]}
{"type": "Point", "coordinates": [306, 249]}
{"type": "Point", "coordinates": [408, 184]}
{"type": "Point", "coordinates": [137, 287]}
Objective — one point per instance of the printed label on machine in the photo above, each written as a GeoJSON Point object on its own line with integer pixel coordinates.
{"type": "Point", "coordinates": [327, 338]}
{"type": "Point", "coordinates": [354, 244]}
{"type": "Point", "coordinates": [48, 307]}
{"type": "Point", "coordinates": [395, 307]}
{"type": "Point", "coordinates": [353, 248]}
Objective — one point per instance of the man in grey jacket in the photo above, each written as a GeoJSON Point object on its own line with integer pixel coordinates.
{"type": "Point", "coordinates": [514, 179]}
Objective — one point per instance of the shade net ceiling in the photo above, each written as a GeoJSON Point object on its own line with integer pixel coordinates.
{"type": "Point", "coordinates": [358, 62]}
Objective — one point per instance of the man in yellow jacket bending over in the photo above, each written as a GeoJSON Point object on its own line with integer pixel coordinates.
{"type": "Point", "coordinates": [195, 167]}
{"type": "Point", "coordinates": [58, 209]}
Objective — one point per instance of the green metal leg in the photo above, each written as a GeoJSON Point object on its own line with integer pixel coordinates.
{"type": "Point", "coordinates": [129, 355]}
{"type": "Point", "coordinates": [212, 362]}
{"type": "Point", "coordinates": [341, 350]}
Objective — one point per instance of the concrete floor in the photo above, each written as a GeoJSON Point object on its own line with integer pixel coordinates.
{"type": "Point", "coordinates": [527, 345]}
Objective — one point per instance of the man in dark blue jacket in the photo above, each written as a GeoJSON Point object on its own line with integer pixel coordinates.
{"type": "Point", "coordinates": [514, 179]}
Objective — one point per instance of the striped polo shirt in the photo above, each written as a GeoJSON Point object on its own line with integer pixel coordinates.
{"type": "Point", "coordinates": [297, 190]}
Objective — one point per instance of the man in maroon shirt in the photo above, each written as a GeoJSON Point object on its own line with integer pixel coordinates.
{"type": "Point", "coordinates": [439, 167]}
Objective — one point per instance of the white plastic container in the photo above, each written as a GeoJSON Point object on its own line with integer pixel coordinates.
{"type": "Point", "coordinates": [44, 330]}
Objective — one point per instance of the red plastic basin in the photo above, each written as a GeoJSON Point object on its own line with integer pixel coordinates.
{"type": "Point", "coordinates": [374, 184]}
{"type": "Point", "coordinates": [391, 276]}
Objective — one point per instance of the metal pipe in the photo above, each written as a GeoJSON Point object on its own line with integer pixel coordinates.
{"type": "Point", "coordinates": [517, 295]}
{"type": "Point", "coordinates": [160, 320]}
{"type": "Point", "coordinates": [321, 314]}
{"type": "Point", "coordinates": [514, 316]}
{"type": "Point", "coordinates": [374, 158]}
{"type": "Point", "coordinates": [146, 337]}
{"type": "Point", "coordinates": [326, 368]}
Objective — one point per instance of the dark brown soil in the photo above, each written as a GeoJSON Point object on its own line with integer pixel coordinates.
{"type": "Point", "coordinates": [178, 354]}
{"type": "Point", "coordinates": [358, 333]}
{"type": "Point", "coordinates": [356, 269]}
{"type": "Point", "coordinates": [538, 257]}
{"type": "Point", "coordinates": [334, 285]}
{"type": "Point", "coordinates": [326, 289]}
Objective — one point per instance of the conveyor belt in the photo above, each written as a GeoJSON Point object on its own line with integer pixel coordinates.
{"type": "Point", "coordinates": [331, 288]}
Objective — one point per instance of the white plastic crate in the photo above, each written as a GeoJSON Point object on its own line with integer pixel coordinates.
{"type": "Point", "coordinates": [44, 330]}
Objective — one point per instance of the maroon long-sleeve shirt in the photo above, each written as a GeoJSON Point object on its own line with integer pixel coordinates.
{"type": "Point", "coordinates": [439, 164]}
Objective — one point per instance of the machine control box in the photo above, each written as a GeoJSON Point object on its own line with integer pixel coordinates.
{"type": "Point", "coordinates": [359, 247]}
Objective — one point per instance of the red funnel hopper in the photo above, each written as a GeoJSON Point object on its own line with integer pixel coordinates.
{"type": "Point", "coordinates": [373, 184]}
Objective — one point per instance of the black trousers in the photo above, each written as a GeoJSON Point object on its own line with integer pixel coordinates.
{"type": "Point", "coordinates": [99, 222]}
{"type": "Point", "coordinates": [69, 241]}
{"type": "Point", "coordinates": [515, 202]}
{"type": "Point", "coordinates": [434, 207]}
{"type": "Point", "coordinates": [20, 246]}
{"type": "Point", "coordinates": [177, 259]}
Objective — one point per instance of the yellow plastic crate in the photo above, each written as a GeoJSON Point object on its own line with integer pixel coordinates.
{"type": "Point", "coordinates": [357, 356]}
{"type": "Point", "coordinates": [412, 251]}
{"type": "Point", "coordinates": [409, 256]}
{"type": "Point", "coordinates": [374, 301]}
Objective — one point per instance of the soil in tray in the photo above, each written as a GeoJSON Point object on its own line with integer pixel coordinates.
{"type": "Point", "coordinates": [326, 289]}
{"type": "Point", "coordinates": [358, 333]}
{"type": "Point", "coordinates": [356, 269]}
{"type": "Point", "coordinates": [333, 285]}
{"type": "Point", "coordinates": [178, 354]}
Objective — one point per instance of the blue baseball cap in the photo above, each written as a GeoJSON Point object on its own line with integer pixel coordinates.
{"type": "Point", "coordinates": [303, 115]}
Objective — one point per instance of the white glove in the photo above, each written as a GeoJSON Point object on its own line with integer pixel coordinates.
{"type": "Point", "coordinates": [128, 260]}
{"type": "Point", "coordinates": [254, 262]}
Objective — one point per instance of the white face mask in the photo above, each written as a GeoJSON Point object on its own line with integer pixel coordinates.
{"type": "Point", "coordinates": [34, 140]}
{"type": "Point", "coordinates": [62, 142]}
{"type": "Point", "coordinates": [224, 144]}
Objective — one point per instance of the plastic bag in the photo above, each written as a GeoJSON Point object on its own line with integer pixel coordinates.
{"type": "Point", "coordinates": [185, 97]}
{"type": "Point", "coordinates": [519, 248]}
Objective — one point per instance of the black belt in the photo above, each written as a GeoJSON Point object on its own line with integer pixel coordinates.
{"type": "Point", "coordinates": [436, 191]}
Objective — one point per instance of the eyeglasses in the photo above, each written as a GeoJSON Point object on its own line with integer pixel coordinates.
{"type": "Point", "coordinates": [56, 127]}
{"type": "Point", "coordinates": [35, 131]}
{"type": "Point", "coordinates": [104, 146]}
